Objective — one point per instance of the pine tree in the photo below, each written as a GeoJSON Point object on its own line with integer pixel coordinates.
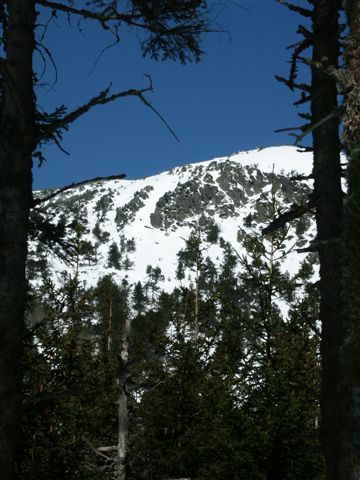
{"type": "Point", "coordinates": [281, 364]}
{"type": "Point", "coordinates": [69, 390]}
{"type": "Point", "coordinates": [114, 257]}
{"type": "Point", "coordinates": [24, 129]}
{"type": "Point", "coordinates": [139, 299]}
{"type": "Point", "coordinates": [112, 308]}
{"type": "Point", "coordinates": [153, 277]}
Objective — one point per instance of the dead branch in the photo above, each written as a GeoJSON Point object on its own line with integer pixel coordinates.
{"type": "Point", "coordinates": [298, 49]}
{"type": "Point", "coordinates": [292, 85]}
{"type": "Point", "coordinates": [53, 130]}
{"type": "Point", "coordinates": [291, 129]}
{"type": "Point", "coordinates": [303, 99]}
{"type": "Point", "coordinates": [310, 249]}
{"type": "Point", "coordinates": [38, 201]}
{"type": "Point", "coordinates": [47, 133]}
{"type": "Point", "coordinates": [130, 19]}
{"type": "Point", "coordinates": [302, 177]}
{"type": "Point", "coordinates": [318, 124]}
{"type": "Point", "coordinates": [296, 211]}
{"type": "Point", "coordinates": [295, 8]}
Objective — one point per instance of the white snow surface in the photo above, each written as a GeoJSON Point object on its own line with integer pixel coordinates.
{"type": "Point", "coordinates": [159, 247]}
{"type": "Point", "coordinates": [283, 159]}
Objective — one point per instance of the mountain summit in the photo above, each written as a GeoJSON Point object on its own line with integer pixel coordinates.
{"type": "Point", "coordinates": [120, 227]}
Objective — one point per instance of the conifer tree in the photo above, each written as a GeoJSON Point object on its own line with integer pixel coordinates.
{"type": "Point", "coordinates": [114, 256]}
{"type": "Point", "coordinates": [112, 308]}
{"type": "Point", "coordinates": [153, 277]}
{"type": "Point", "coordinates": [171, 31]}
{"type": "Point", "coordinates": [280, 315]}
{"type": "Point", "coordinates": [139, 299]}
{"type": "Point", "coordinates": [69, 390]}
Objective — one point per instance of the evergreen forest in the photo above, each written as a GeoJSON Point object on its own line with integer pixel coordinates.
{"type": "Point", "coordinates": [217, 379]}
{"type": "Point", "coordinates": [244, 370]}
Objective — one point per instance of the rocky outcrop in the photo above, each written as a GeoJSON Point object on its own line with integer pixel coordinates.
{"type": "Point", "coordinates": [126, 213]}
{"type": "Point", "coordinates": [222, 188]}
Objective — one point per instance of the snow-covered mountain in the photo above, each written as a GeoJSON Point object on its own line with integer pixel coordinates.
{"type": "Point", "coordinates": [150, 219]}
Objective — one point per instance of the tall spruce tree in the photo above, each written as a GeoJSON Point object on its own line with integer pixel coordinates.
{"type": "Point", "coordinates": [323, 122]}
{"type": "Point", "coordinates": [69, 390]}
{"type": "Point", "coordinates": [281, 313]}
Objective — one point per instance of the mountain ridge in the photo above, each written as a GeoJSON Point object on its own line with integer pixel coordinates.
{"type": "Point", "coordinates": [148, 220]}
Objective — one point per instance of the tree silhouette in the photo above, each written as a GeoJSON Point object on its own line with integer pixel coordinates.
{"type": "Point", "coordinates": [171, 30]}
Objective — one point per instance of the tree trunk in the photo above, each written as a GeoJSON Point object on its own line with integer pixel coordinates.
{"type": "Point", "coordinates": [350, 353]}
{"type": "Point", "coordinates": [328, 200]}
{"type": "Point", "coordinates": [123, 433]}
{"type": "Point", "coordinates": [17, 141]}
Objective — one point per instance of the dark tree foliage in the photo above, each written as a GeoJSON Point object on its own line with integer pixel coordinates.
{"type": "Point", "coordinates": [240, 398]}
{"type": "Point", "coordinates": [139, 299]}
{"type": "Point", "coordinates": [69, 390]}
{"type": "Point", "coordinates": [169, 30]}
{"type": "Point", "coordinates": [233, 395]}
{"type": "Point", "coordinates": [112, 308]}
{"type": "Point", "coordinates": [114, 256]}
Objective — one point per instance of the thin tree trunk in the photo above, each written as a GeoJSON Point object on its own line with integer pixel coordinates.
{"type": "Point", "coordinates": [17, 141]}
{"type": "Point", "coordinates": [109, 332]}
{"type": "Point", "coordinates": [328, 200]}
{"type": "Point", "coordinates": [123, 433]}
{"type": "Point", "coordinates": [350, 353]}
{"type": "Point", "coordinates": [197, 280]}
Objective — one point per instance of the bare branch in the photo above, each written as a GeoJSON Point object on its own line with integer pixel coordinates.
{"type": "Point", "coordinates": [48, 53]}
{"type": "Point", "coordinates": [296, 211]}
{"type": "Point", "coordinates": [302, 177]}
{"type": "Point", "coordinates": [84, 13]}
{"type": "Point", "coordinates": [316, 245]}
{"type": "Point", "coordinates": [292, 85]}
{"type": "Point", "coordinates": [60, 147]}
{"type": "Point", "coordinates": [303, 99]}
{"type": "Point", "coordinates": [45, 27]}
{"type": "Point", "coordinates": [294, 8]}
{"type": "Point", "coordinates": [53, 129]}
{"type": "Point", "coordinates": [331, 115]}
{"type": "Point", "coordinates": [129, 18]}
{"type": "Point", "coordinates": [38, 201]}
{"type": "Point", "coordinates": [158, 114]}
{"type": "Point", "coordinates": [291, 129]}
{"type": "Point", "coordinates": [101, 99]}
{"type": "Point", "coordinates": [305, 116]}
{"type": "Point", "coordinates": [112, 44]}
{"type": "Point", "coordinates": [310, 249]}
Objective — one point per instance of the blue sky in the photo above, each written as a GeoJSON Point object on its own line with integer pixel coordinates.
{"type": "Point", "coordinates": [228, 102]}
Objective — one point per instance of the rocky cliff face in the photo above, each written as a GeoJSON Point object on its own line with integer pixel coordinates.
{"type": "Point", "coordinates": [222, 189]}
{"type": "Point", "coordinates": [148, 220]}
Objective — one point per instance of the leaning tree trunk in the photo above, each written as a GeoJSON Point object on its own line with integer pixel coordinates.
{"type": "Point", "coordinates": [17, 133]}
{"type": "Point", "coordinates": [328, 199]}
{"type": "Point", "coordinates": [350, 354]}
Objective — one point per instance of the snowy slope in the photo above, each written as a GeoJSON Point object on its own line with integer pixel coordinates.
{"type": "Point", "coordinates": [159, 212]}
